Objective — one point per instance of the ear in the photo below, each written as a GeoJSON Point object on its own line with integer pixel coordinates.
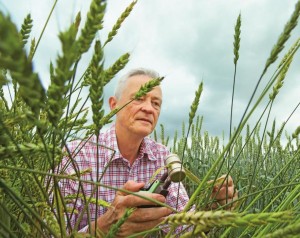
{"type": "Point", "coordinates": [112, 102]}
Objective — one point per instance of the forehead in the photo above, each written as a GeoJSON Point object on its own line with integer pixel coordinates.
{"type": "Point", "coordinates": [134, 83]}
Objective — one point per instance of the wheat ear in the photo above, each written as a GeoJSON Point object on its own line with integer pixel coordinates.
{"type": "Point", "coordinates": [285, 35]}
{"type": "Point", "coordinates": [147, 87]}
{"type": "Point", "coordinates": [204, 220]}
{"type": "Point", "coordinates": [292, 230]}
{"type": "Point", "coordinates": [296, 132]}
{"type": "Point", "coordinates": [116, 67]}
{"type": "Point", "coordinates": [280, 79]}
{"type": "Point", "coordinates": [115, 228]}
{"type": "Point", "coordinates": [96, 88]}
{"type": "Point", "coordinates": [119, 22]}
{"type": "Point", "coordinates": [237, 39]}
{"type": "Point", "coordinates": [14, 58]}
{"type": "Point", "coordinates": [93, 24]}
{"type": "Point", "coordinates": [195, 103]}
{"type": "Point", "coordinates": [26, 29]}
{"type": "Point", "coordinates": [62, 74]}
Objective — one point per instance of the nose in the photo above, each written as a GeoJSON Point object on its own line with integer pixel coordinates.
{"type": "Point", "coordinates": [147, 106]}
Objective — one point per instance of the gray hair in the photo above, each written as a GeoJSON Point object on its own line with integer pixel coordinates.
{"type": "Point", "coordinates": [139, 71]}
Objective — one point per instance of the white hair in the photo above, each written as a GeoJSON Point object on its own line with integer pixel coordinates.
{"type": "Point", "coordinates": [139, 71]}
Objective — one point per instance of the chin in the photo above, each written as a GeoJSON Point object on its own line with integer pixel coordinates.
{"type": "Point", "coordinates": [145, 132]}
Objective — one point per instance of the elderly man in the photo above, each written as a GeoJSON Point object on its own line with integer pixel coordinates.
{"type": "Point", "coordinates": [126, 158]}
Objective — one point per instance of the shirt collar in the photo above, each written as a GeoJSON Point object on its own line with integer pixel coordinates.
{"type": "Point", "coordinates": [111, 142]}
{"type": "Point", "coordinates": [145, 149]}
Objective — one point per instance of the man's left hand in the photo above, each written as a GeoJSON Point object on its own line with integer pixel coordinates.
{"type": "Point", "coordinates": [224, 194]}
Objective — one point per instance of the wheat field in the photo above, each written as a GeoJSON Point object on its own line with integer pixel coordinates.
{"type": "Point", "coordinates": [37, 122]}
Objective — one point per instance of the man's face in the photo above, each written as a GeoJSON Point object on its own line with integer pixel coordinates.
{"type": "Point", "coordinates": [140, 116]}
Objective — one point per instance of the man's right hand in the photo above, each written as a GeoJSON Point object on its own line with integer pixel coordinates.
{"type": "Point", "coordinates": [141, 219]}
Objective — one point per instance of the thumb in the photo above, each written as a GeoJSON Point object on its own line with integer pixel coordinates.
{"type": "Point", "coordinates": [131, 186]}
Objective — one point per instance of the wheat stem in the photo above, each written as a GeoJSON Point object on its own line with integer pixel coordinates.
{"type": "Point", "coordinates": [44, 28]}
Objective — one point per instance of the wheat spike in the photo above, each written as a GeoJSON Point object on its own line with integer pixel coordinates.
{"type": "Point", "coordinates": [14, 58]}
{"type": "Point", "coordinates": [280, 79]}
{"type": "Point", "coordinates": [290, 53]}
{"type": "Point", "coordinates": [292, 230]}
{"type": "Point", "coordinates": [285, 35]}
{"type": "Point", "coordinates": [62, 74]}
{"type": "Point", "coordinates": [147, 87]}
{"type": "Point", "coordinates": [237, 39]}
{"type": "Point", "coordinates": [26, 29]}
{"type": "Point", "coordinates": [115, 228]}
{"type": "Point", "coordinates": [92, 25]}
{"type": "Point", "coordinates": [296, 133]}
{"type": "Point", "coordinates": [25, 148]}
{"type": "Point", "coordinates": [96, 88]}
{"type": "Point", "coordinates": [119, 22]}
{"type": "Point", "coordinates": [116, 67]}
{"type": "Point", "coordinates": [204, 220]}
{"type": "Point", "coordinates": [195, 103]}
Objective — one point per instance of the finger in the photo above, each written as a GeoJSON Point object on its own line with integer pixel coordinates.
{"type": "Point", "coordinates": [136, 201]}
{"type": "Point", "coordinates": [223, 193]}
{"type": "Point", "coordinates": [228, 204]}
{"type": "Point", "coordinates": [149, 214]}
{"type": "Point", "coordinates": [225, 201]}
{"type": "Point", "coordinates": [129, 228]}
{"type": "Point", "coordinates": [235, 199]}
{"type": "Point", "coordinates": [131, 186]}
{"type": "Point", "coordinates": [224, 181]}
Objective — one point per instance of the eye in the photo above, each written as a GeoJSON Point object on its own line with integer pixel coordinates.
{"type": "Point", "coordinates": [139, 100]}
{"type": "Point", "coordinates": [156, 104]}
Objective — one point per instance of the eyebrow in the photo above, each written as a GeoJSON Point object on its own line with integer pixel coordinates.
{"type": "Point", "coordinates": [158, 98]}
{"type": "Point", "coordinates": [155, 97]}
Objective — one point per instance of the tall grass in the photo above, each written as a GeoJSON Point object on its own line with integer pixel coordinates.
{"type": "Point", "coordinates": [36, 123]}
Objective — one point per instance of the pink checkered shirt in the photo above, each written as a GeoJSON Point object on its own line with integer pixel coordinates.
{"type": "Point", "coordinates": [119, 171]}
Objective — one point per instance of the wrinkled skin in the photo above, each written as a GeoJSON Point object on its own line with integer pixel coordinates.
{"type": "Point", "coordinates": [141, 219]}
{"type": "Point", "coordinates": [224, 193]}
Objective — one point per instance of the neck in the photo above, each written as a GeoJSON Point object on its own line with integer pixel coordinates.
{"type": "Point", "coordinates": [128, 144]}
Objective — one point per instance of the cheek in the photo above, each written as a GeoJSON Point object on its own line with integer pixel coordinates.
{"type": "Point", "coordinates": [156, 115]}
{"type": "Point", "coordinates": [130, 111]}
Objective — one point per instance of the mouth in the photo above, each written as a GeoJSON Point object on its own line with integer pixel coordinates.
{"type": "Point", "coordinates": [145, 120]}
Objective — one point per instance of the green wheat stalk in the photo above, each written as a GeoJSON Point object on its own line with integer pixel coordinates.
{"type": "Point", "coordinates": [43, 30]}
{"type": "Point", "coordinates": [205, 220]}
{"type": "Point", "coordinates": [192, 114]}
{"type": "Point", "coordinates": [285, 35]}
{"type": "Point", "coordinates": [119, 22]}
{"type": "Point", "coordinates": [292, 230]}
{"type": "Point", "coordinates": [96, 88]}
{"type": "Point", "coordinates": [62, 74]}
{"type": "Point", "coordinates": [209, 219]}
{"type": "Point", "coordinates": [113, 231]}
{"type": "Point", "coordinates": [273, 56]}
{"type": "Point", "coordinates": [14, 58]}
{"type": "Point", "coordinates": [280, 79]}
{"type": "Point", "coordinates": [236, 47]}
